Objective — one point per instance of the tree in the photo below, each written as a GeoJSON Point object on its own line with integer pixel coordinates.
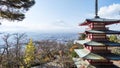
{"type": "Point", "coordinates": [113, 38]}
{"type": "Point", "coordinates": [82, 36]}
{"type": "Point", "coordinates": [11, 55]}
{"type": "Point", "coordinates": [30, 53]}
{"type": "Point", "coordinates": [14, 9]}
{"type": "Point", "coordinates": [7, 49]}
{"type": "Point", "coordinates": [75, 46]}
{"type": "Point", "coordinates": [19, 41]}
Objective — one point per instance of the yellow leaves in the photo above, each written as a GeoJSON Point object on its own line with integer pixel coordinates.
{"type": "Point", "coordinates": [29, 52]}
{"type": "Point", "coordinates": [76, 46]}
{"type": "Point", "coordinates": [113, 38]}
{"type": "Point", "coordinates": [73, 47]}
{"type": "Point", "coordinates": [47, 59]}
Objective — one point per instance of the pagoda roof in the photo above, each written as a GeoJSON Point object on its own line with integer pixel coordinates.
{"type": "Point", "coordinates": [103, 31]}
{"type": "Point", "coordinates": [96, 56]}
{"type": "Point", "coordinates": [100, 20]}
{"type": "Point", "coordinates": [85, 53]}
{"type": "Point", "coordinates": [110, 56]}
{"type": "Point", "coordinates": [93, 56]}
{"type": "Point", "coordinates": [82, 52]}
{"type": "Point", "coordinates": [79, 62]}
{"type": "Point", "coordinates": [102, 43]}
{"type": "Point", "coordinates": [97, 43]}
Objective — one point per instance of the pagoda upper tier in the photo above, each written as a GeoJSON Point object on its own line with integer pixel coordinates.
{"type": "Point", "coordinates": [100, 20]}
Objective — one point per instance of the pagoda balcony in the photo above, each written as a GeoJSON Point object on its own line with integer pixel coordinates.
{"type": "Point", "coordinates": [100, 28]}
{"type": "Point", "coordinates": [98, 39]}
{"type": "Point", "coordinates": [101, 51]}
{"type": "Point", "coordinates": [101, 63]}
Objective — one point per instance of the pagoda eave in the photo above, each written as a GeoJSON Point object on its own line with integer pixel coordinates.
{"type": "Point", "coordinates": [100, 20]}
{"type": "Point", "coordinates": [97, 43]}
{"type": "Point", "coordinates": [102, 32]}
{"type": "Point", "coordinates": [106, 23]}
{"type": "Point", "coordinates": [110, 56]}
{"type": "Point", "coordinates": [102, 43]}
{"type": "Point", "coordinates": [86, 54]}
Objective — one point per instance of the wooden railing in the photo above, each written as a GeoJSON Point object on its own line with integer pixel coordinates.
{"type": "Point", "coordinates": [99, 39]}
{"type": "Point", "coordinates": [97, 28]}
{"type": "Point", "coordinates": [100, 51]}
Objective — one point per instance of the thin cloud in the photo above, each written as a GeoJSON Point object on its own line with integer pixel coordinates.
{"type": "Point", "coordinates": [61, 23]}
{"type": "Point", "coordinates": [111, 11]}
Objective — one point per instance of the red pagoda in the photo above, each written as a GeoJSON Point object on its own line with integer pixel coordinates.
{"type": "Point", "coordinates": [96, 46]}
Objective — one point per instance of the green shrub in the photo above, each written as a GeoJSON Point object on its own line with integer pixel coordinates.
{"type": "Point", "coordinates": [74, 54]}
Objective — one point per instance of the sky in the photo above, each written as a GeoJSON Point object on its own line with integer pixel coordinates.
{"type": "Point", "coordinates": [62, 16]}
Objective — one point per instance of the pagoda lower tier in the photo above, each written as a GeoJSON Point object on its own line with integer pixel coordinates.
{"type": "Point", "coordinates": [97, 52]}
{"type": "Point", "coordinates": [98, 58]}
{"type": "Point", "coordinates": [88, 55]}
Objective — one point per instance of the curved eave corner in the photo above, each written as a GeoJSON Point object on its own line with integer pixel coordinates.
{"type": "Point", "coordinates": [84, 23]}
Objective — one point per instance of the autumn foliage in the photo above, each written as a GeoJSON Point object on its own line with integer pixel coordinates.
{"type": "Point", "coordinates": [29, 53]}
